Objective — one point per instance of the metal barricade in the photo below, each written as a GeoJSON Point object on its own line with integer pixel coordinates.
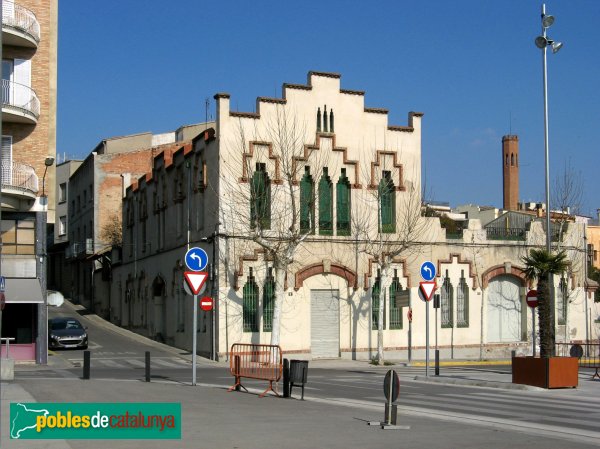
{"type": "Point", "coordinates": [587, 353]}
{"type": "Point", "coordinates": [254, 361]}
{"type": "Point", "coordinates": [7, 340]}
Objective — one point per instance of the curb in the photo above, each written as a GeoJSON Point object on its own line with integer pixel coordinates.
{"type": "Point", "coordinates": [476, 383]}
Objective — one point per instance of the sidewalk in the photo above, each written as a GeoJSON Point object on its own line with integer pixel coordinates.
{"type": "Point", "coordinates": [213, 418]}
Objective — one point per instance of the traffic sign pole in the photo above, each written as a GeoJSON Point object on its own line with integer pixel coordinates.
{"type": "Point", "coordinates": [533, 330]}
{"type": "Point", "coordinates": [194, 339]}
{"type": "Point", "coordinates": [427, 339]}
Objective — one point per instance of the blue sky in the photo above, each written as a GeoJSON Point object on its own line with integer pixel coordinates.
{"type": "Point", "coordinates": [470, 65]}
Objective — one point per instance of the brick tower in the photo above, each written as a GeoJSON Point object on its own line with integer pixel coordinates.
{"type": "Point", "coordinates": [510, 171]}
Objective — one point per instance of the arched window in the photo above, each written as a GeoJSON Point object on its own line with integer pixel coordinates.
{"type": "Point", "coordinates": [343, 204]}
{"type": "Point", "coordinates": [250, 304]}
{"type": "Point", "coordinates": [462, 302]}
{"type": "Point", "coordinates": [307, 202]}
{"type": "Point", "coordinates": [260, 198]}
{"type": "Point", "coordinates": [446, 303]}
{"type": "Point", "coordinates": [506, 162]}
{"type": "Point", "coordinates": [387, 203]}
{"type": "Point", "coordinates": [395, 312]}
{"type": "Point", "coordinates": [512, 159]}
{"type": "Point", "coordinates": [325, 204]}
{"type": "Point", "coordinates": [268, 302]}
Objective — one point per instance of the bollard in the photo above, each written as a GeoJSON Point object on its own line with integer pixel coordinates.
{"type": "Point", "coordinates": [86, 364]}
{"type": "Point", "coordinates": [437, 362]}
{"type": "Point", "coordinates": [147, 366]}
{"type": "Point", "coordinates": [286, 378]}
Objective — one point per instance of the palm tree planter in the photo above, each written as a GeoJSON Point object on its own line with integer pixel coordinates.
{"type": "Point", "coordinates": [547, 371]}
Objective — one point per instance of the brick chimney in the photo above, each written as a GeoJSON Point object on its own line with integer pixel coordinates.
{"type": "Point", "coordinates": [510, 172]}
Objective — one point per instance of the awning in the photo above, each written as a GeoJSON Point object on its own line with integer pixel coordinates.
{"type": "Point", "coordinates": [23, 291]}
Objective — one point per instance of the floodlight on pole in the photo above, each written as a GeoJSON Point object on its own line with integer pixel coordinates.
{"type": "Point", "coordinates": [543, 42]}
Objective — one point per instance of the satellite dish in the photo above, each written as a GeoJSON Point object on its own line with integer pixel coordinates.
{"type": "Point", "coordinates": [55, 299]}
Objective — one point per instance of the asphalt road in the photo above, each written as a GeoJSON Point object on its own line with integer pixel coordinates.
{"type": "Point", "coordinates": [120, 356]}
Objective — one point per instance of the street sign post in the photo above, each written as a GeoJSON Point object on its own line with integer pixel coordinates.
{"type": "Point", "coordinates": [428, 271]}
{"type": "Point", "coordinates": [2, 284]}
{"type": "Point", "coordinates": [206, 303]}
{"type": "Point", "coordinates": [426, 290]}
{"type": "Point", "coordinates": [532, 301]}
{"type": "Point", "coordinates": [391, 390]}
{"type": "Point", "coordinates": [195, 280]}
{"type": "Point", "coordinates": [196, 259]}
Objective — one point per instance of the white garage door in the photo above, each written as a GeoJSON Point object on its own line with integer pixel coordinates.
{"type": "Point", "coordinates": [325, 323]}
{"type": "Point", "coordinates": [503, 310]}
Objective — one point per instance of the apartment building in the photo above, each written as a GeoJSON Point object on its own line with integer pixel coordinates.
{"type": "Point", "coordinates": [92, 209]}
{"type": "Point", "coordinates": [29, 57]}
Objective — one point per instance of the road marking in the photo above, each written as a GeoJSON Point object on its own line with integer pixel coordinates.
{"type": "Point", "coordinates": [109, 363]}
{"type": "Point", "coordinates": [165, 363]}
{"type": "Point", "coordinates": [569, 433]}
{"type": "Point", "coordinates": [137, 363]}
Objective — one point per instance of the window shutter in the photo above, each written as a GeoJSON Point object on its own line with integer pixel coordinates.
{"type": "Point", "coordinates": [22, 77]}
{"type": "Point", "coordinates": [6, 159]}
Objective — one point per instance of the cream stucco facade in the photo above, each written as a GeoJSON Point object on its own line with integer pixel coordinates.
{"type": "Point", "coordinates": [200, 194]}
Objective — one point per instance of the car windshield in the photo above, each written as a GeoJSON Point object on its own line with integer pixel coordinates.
{"type": "Point", "coordinates": [66, 324]}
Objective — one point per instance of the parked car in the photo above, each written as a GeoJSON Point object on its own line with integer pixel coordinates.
{"type": "Point", "coordinates": [66, 332]}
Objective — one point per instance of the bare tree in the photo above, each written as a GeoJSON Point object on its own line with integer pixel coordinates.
{"type": "Point", "coordinates": [112, 232]}
{"type": "Point", "coordinates": [264, 204]}
{"type": "Point", "coordinates": [395, 230]}
{"type": "Point", "coordinates": [567, 197]}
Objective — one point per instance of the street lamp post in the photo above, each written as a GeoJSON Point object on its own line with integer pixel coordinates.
{"type": "Point", "coordinates": [542, 42]}
{"type": "Point", "coordinates": [42, 263]}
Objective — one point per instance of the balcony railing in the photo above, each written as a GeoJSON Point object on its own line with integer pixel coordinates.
{"type": "Point", "coordinates": [506, 233]}
{"type": "Point", "coordinates": [21, 99]}
{"type": "Point", "coordinates": [18, 176]}
{"type": "Point", "coordinates": [80, 249]}
{"type": "Point", "coordinates": [20, 19]}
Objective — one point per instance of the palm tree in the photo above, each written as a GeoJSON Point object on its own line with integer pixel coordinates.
{"type": "Point", "coordinates": [541, 264]}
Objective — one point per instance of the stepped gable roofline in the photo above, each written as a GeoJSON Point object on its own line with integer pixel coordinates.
{"type": "Point", "coordinates": [323, 74]}
{"type": "Point", "coordinates": [308, 86]}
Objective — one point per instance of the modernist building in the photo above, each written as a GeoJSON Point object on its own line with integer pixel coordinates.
{"type": "Point", "coordinates": [29, 50]}
{"type": "Point", "coordinates": [314, 199]}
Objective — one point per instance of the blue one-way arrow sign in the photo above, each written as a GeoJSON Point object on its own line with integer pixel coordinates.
{"type": "Point", "coordinates": [196, 259]}
{"type": "Point", "coordinates": [428, 271]}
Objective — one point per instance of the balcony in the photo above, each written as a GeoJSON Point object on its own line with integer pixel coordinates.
{"type": "Point", "coordinates": [20, 104]}
{"type": "Point", "coordinates": [19, 180]}
{"type": "Point", "coordinates": [80, 250]}
{"type": "Point", "coordinates": [20, 27]}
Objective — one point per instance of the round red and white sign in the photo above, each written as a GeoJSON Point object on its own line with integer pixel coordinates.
{"type": "Point", "coordinates": [532, 299]}
{"type": "Point", "coordinates": [206, 303]}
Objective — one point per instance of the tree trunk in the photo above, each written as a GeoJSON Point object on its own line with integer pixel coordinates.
{"type": "Point", "coordinates": [383, 287]}
{"type": "Point", "coordinates": [279, 295]}
{"type": "Point", "coordinates": [546, 325]}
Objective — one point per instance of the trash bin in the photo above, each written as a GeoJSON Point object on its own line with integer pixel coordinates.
{"type": "Point", "coordinates": [298, 374]}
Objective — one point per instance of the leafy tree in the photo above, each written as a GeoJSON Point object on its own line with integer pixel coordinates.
{"type": "Point", "coordinates": [542, 265]}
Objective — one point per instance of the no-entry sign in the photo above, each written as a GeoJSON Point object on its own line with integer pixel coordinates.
{"type": "Point", "coordinates": [206, 304]}
{"type": "Point", "coordinates": [532, 299]}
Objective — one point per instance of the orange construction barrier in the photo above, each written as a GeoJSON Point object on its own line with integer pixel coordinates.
{"type": "Point", "coordinates": [252, 361]}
